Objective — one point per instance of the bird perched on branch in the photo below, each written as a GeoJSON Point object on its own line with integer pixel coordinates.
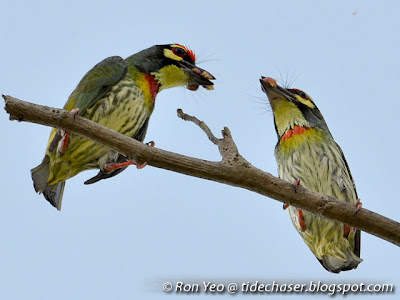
{"type": "Point", "coordinates": [119, 94]}
{"type": "Point", "coordinates": [307, 154]}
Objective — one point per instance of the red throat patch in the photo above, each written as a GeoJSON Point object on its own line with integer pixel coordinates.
{"type": "Point", "coordinates": [296, 130]}
{"type": "Point", "coordinates": [153, 85]}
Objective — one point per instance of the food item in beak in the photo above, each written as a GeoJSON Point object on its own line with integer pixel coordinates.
{"type": "Point", "coordinates": [204, 74]}
{"type": "Point", "coordinates": [192, 87]}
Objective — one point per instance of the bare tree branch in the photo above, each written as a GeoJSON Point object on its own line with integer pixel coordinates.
{"type": "Point", "coordinates": [233, 170]}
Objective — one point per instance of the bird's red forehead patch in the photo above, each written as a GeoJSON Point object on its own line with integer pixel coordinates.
{"type": "Point", "coordinates": [270, 81]}
{"type": "Point", "coordinates": [190, 52]}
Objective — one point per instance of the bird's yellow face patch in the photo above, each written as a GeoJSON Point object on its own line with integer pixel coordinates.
{"type": "Point", "coordinates": [287, 115]}
{"type": "Point", "coordinates": [168, 53]}
{"type": "Point", "coordinates": [305, 101]}
{"type": "Point", "coordinates": [171, 76]}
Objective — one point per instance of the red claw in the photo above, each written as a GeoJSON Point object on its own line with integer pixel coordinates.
{"type": "Point", "coordinates": [346, 231]}
{"type": "Point", "coordinates": [302, 222]}
{"type": "Point", "coordinates": [112, 167]}
{"type": "Point", "coordinates": [65, 134]}
{"type": "Point", "coordinates": [65, 141]}
{"type": "Point", "coordinates": [75, 112]}
{"type": "Point", "coordinates": [296, 184]}
{"type": "Point", "coordinates": [358, 206]}
{"type": "Point", "coordinates": [151, 143]}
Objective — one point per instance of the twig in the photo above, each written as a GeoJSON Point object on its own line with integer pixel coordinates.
{"type": "Point", "coordinates": [203, 126]}
{"type": "Point", "coordinates": [226, 145]}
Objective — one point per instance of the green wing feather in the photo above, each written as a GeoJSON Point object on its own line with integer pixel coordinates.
{"type": "Point", "coordinates": [96, 83]}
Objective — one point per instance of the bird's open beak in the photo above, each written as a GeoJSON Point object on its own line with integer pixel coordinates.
{"type": "Point", "coordinates": [197, 77]}
{"type": "Point", "coordinates": [273, 90]}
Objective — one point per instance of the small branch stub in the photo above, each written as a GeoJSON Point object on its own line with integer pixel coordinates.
{"type": "Point", "coordinates": [226, 145]}
{"type": "Point", "coordinates": [13, 117]}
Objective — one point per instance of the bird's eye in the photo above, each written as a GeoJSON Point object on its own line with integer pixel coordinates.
{"type": "Point", "coordinates": [300, 93]}
{"type": "Point", "coordinates": [179, 51]}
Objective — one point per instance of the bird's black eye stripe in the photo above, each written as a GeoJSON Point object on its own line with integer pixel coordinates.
{"type": "Point", "coordinates": [179, 51]}
{"type": "Point", "coordinates": [300, 93]}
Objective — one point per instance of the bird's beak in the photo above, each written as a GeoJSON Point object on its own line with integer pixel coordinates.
{"type": "Point", "coordinates": [273, 90]}
{"type": "Point", "coordinates": [197, 77]}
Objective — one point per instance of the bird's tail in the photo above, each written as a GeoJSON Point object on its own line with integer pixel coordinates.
{"type": "Point", "coordinates": [336, 264]}
{"type": "Point", "coordinates": [52, 193]}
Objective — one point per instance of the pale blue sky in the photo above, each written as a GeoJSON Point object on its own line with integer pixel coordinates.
{"type": "Point", "coordinates": [122, 238]}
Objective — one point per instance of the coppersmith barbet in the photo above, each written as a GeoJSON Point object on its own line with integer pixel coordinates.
{"type": "Point", "coordinates": [119, 94]}
{"type": "Point", "coordinates": [307, 154]}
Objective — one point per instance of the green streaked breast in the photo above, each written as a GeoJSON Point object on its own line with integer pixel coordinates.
{"type": "Point", "coordinates": [318, 163]}
{"type": "Point", "coordinates": [123, 109]}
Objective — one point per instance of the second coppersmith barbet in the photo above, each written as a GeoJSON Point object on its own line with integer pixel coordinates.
{"type": "Point", "coordinates": [119, 94]}
{"type": "Point", "coordinates": [307, 154]}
